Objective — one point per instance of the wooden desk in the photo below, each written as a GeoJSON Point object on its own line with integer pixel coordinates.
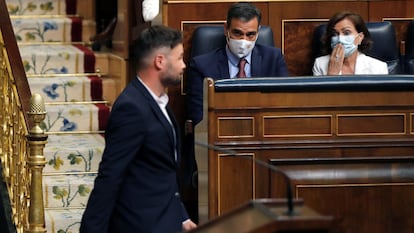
{"type": "Point", "coordinates": [269, 215]}
{"type": "Point", "coordinates": [347, 144]}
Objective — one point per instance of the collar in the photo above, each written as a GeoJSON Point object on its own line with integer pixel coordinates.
{"type": "Point", "coordinates": [161, 100]}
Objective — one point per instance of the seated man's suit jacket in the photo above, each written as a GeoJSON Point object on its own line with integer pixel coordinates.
{"type": "Point", "coordinates": [266, 61]}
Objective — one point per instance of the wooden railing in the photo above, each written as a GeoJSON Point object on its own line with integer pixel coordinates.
{"type": "Point", "coordinates": [22, 140]}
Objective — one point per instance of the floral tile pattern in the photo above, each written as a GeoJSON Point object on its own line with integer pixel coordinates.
{"type": "Point", "coordinates": [52, 59]}
{"type": "Point", "coordinates": [71, 118]}
{"type": "Point", "coordinates": [63, 220]}
{"type": "Point", "coordinates": [67, 191]}
{"type": "Point", "coordinates": [42, 30]}
{"type": "Point", "coordinates": [36, 7]}
{"type": "Point", "coordinates": [62, 89]}
{"type": "Point", "coordinates": [73, 153]}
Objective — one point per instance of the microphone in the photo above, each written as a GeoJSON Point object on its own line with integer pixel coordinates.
{"type": "Point", "coordinates": [289, 195]}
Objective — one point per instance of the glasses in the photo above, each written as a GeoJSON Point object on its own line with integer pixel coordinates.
{"type": "Point", "coordinates": [237, 34]}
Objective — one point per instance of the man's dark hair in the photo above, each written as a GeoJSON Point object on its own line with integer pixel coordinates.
{"type": "Point", "coordinates": [153, 38]}
{"type": "Point", "coordinates": [359, 24]}
{"type": "Point", "coordinates": [244, 11]}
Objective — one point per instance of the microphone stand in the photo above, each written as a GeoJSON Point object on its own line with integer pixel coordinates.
{"type": "Point", "coordinates": [290, 211]}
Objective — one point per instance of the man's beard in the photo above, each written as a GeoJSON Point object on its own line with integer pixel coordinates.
{"type": "Point", "coordinates": [171, 81]}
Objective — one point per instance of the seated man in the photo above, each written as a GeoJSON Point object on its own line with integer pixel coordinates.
{"type": "Point", "coordinates": [241, 31]}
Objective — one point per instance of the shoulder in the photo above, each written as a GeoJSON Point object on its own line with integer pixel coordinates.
{"type": "Point", "coordinates": [370, 65]}
{"type": "Point", "coordinates": [267, 53]}
{"type": "Point", "coordinates": [370, 59]}
{"type": "Point", "coordinates": [267, 49]}
{"type": "Point", "coordinates": [213, 55]}
{"type": "Point", "coordinates": [134, 94]}
{"type": "Point", "coordinates": [132, 109]}
{"type": "Point", "coordinates": [207, 64]}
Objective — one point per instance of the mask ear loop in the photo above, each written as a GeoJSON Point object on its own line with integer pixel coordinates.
{"type": "Point", "coordinates": [228, 38]}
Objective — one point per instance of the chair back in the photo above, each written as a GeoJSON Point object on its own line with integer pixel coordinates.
{"type": "Point", "coordinates": [210, 37]}
{"type": "Point", "coordinates": [409, 49]}
{"type": "Point", "coordinates": [384, 45]}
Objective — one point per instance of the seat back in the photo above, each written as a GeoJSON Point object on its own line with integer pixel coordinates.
{"type": "Point", "coordinates": [210, 37]}
{"type": "Point", "coordinates": [409, 49]}
{"type": "Point", "coordinates": [384, 45]}
{"type": "Point", "coordinates": [317, 44]}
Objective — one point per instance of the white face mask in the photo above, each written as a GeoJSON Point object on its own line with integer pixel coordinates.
{"type": "Point", "coordinates": [240, 48]}
{"type": "Point", "coordinates": [347, 41]}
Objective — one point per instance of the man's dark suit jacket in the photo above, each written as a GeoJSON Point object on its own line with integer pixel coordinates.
{"type": "Point", "coordinates": [136, 189]}
{"type": "Point", "coordinates": [266, 61]}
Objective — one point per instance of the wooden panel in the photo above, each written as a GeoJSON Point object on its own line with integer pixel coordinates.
{"type": "Point", "coordinates": [86, 9]}
{"type": "Point", "coordinates": [175, 13]}
{"type": "Point", "coordinates": [378, 10]}
{"type": "Point", "coordinates": [238, 174]}
{"type": "Point", "coordinates": [298, 53]}
{"type": "Point", "coordinates": [411, 123]}
{"type": "Point", "coordinates": [371, 124]}
{"type": "Point", "coordinates": [123, 31]}
{"type": "Point", "coordinates": [398, 12]}
{"type": "Point", "coordinates": [235, 127]}
{"type": "Point", "coordinates": [376, 190]}
{"type": "Point", "coordinates": [380, 213]}
{"type": "Point", "coordinates": [297, 125]}
{"type": "Point", "coordinates": [285, 152]}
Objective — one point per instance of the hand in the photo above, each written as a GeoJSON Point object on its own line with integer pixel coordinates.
{"type": "Point", "coordinates": [336, 60]}
{"type": "Point", "coordinates": [188, 225]}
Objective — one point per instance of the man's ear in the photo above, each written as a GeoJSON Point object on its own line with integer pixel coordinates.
{"type": "Point", "coordinates": [159, 61]}
{"type": "Point", "coordinates": [225, 29]}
